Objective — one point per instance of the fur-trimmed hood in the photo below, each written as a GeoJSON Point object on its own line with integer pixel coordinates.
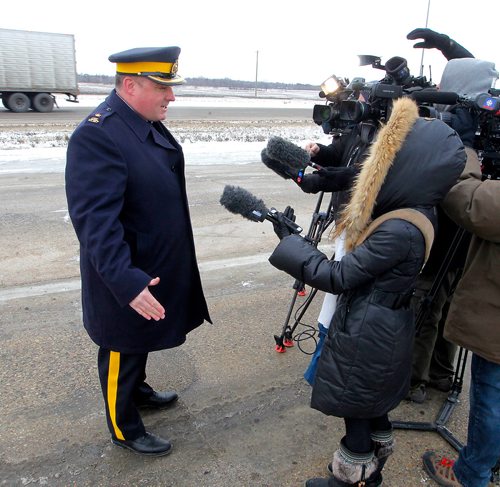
{"type": "Point", "coordinates": [413, 163]}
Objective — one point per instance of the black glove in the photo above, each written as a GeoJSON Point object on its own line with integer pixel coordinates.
{"type": "Point", "coordinates": [311, 183]}
{"type": "Point", "coordinates": [328, 179]}
{"type": "Point", "coordinates": [432, 39]}
{"type": "Point", "coordinates": [465, 124]}
{"type": "Point", "coordinates": [280, 227]}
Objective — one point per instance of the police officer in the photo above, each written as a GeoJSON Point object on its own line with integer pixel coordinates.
{"type": "Point", "coordinates": [141, 288]}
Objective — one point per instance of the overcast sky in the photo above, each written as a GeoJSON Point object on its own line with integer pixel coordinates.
{"type": "Point", "coordinates": [297, 42]}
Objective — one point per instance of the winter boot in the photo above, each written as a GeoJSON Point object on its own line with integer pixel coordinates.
{"type": "Point", "coordinates": [350, 469]}
{"type": "Point", "coordinates": [384, 447]}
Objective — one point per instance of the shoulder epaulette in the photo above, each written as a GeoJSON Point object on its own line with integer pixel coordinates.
{"type": "Point", "coordinates": [98, 116]}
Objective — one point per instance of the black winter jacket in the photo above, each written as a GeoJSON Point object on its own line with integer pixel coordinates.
{"type": "Point", "coordinates": [370, 339]}
{"type": "Point", "coordinates": [364, 369]}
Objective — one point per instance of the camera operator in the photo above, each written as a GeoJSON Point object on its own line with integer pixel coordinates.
{"type": "Point", "coordinates": [433, 355]}
{"type": "Point", "coordinates": [364, 369]}
{"type": "Point", "coordinates": [473, 322]}
{"type": "Point", "coordinates": [341, 161]}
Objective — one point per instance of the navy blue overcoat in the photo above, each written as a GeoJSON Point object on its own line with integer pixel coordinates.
{"type": "Point", "coordinates": [127, 200]}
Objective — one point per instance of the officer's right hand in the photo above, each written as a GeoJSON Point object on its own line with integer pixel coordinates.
{"type": "Point", "coordinates": [146, 304]}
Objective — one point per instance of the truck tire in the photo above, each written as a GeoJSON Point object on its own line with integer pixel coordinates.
{"type": "Point", "coordinates": [19, 102]}
{"type": "Point", "coordinates": [42, 102]}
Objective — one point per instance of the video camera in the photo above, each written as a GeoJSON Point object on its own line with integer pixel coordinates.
{"type": "Point", "coordinates": [487, 141]}
{"type": "Point", "coordinates": [349, 103]}
{"type": "Point", "coordinates": [485, 109]}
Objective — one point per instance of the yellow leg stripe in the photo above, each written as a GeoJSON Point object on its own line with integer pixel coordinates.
{"type": "Point", "coordinates": [114, 369]}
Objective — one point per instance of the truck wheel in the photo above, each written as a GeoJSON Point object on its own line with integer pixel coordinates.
{"type": "Point", "coordinates": [19, 102]}
{"type": "Point", "coordinates": [43, 102]}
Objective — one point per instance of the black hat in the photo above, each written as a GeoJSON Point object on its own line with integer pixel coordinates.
{"type": "Point", "coordinates": [159, 64]}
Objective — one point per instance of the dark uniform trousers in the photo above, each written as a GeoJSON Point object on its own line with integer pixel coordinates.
{"type": "Point", "coordinates": [123, 383]}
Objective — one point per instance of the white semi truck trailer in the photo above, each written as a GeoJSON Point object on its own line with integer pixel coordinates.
{"type": "Point", "coordinates": [34, 66]}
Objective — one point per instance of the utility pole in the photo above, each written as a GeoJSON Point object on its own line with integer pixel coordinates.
{"type": "Point", "coordinates": [256, 71]}
{"type": "Point", "coordinates": [423, 50]}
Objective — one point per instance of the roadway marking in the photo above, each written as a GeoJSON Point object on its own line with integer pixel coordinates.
{"type": "Point", "coordinates": [19, 292]}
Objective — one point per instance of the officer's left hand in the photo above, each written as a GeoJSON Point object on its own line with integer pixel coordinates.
{"type": "Point", "coordinates": [280, 227]}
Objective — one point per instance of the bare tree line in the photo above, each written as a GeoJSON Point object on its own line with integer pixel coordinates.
{"type": "Point", "coordinates": [216, 83]}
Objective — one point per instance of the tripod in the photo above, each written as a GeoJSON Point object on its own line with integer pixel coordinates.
{"type": "Point", "coordinates": [439, 424]}
{"type": "Point", "coordinates": [319, 222]}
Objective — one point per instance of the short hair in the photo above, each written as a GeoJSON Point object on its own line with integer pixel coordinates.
{"type": "Point", "coordinates": [119, 80]}
{"type": "Point", "coordinates": [120, 77]}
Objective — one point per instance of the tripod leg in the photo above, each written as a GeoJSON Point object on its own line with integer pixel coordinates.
{"type": "Point", "coordinates": [319, 223]}
{"type": "Point", "coordinates": [439, 425]}
{"type": "Point", "coordinates": [286, 331]}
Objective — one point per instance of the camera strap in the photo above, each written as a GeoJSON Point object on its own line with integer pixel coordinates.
{"type": "Point", "coordinates": [410, 215]}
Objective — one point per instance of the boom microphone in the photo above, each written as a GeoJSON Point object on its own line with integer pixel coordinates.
{"type": "Point", "coordinates": [291, 156]}
{"type": "Point", "coordinates": [241, 202]}
{"type": "Point", "coordinates": [434, 96]}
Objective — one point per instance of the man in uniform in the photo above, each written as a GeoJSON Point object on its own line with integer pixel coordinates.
{"type": "Point", "coordinates": [141, 287]}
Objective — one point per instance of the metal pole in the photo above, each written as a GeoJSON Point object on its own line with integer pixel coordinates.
{"type": "Point", "coordinates": [256, 71]}
{"type": "Point", "coordinates": [423, 50]}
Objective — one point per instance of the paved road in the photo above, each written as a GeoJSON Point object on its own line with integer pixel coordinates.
{"type": "Point", "coordinates": [72, 115]}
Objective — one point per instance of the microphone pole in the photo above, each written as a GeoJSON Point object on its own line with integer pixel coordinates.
{"type": "Point", "coordinates": [423, 49]}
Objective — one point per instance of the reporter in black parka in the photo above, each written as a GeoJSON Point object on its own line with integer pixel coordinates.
{"type": "Point", "coordinates": [364, 369]}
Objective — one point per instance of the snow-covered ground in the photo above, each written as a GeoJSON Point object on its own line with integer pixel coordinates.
{"type": "Point", "coordinates": [217, 142]}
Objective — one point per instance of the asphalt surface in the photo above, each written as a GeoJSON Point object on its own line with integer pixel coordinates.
{"type": "Point", "coordinates": [243, 417]}
{"type": "Point", "coordinates": [69, 115]}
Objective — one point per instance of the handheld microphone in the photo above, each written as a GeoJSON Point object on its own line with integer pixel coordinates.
{"type": "Point", "coordinates": [278, 167]}
{"type": "Point", "coordinates": [434, 96]}
{"type": "Point", "coordinates": [290, 155]}
{"type": "Point", "coordinates": [241, 202]}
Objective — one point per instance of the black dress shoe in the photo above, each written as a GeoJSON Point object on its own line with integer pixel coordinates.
{"type": "Point", "coordinates": [149, 444]}
{"type": "Point", "coordinates": [158, 400]}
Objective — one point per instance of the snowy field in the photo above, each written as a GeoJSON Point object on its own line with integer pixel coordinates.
{"type": "Point", "coordinates": [204, 143]}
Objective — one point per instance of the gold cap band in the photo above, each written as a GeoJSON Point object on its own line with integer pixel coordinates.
{"type": "Point", "coordinates": [164, 69]}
